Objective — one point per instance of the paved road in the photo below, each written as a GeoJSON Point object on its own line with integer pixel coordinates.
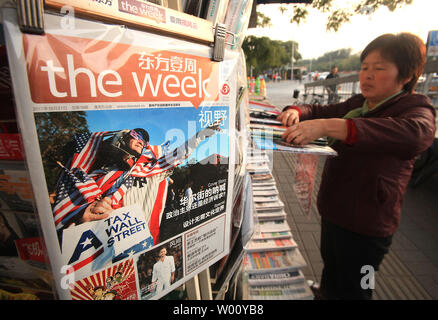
{"type": "Point", "coordinates": [281, 93]}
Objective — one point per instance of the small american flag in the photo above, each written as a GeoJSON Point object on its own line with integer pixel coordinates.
{"type": "Point", "coordinates": [77, 178]}
{"type": "Point", "coordinates": [86, 146]}
{"type": "Point", "coordinates": [76, 188]}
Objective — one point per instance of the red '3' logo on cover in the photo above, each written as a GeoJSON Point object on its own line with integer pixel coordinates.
{"type": "Point", "coordinates": [225, 89]}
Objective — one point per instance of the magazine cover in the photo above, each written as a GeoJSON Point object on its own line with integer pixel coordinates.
{"type": "Point", "coordinates": [127, 138]}
{"type": "Point", "coordinates": [15, 190]}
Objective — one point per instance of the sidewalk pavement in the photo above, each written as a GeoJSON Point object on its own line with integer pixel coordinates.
{"type": "Point", "coordinates": [410, 270]}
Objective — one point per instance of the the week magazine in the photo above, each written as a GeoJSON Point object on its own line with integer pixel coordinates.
{"type": "Point", "coordinates": [127, 142]}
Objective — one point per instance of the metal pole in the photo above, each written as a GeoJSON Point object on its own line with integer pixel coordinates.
{"type": "Point", "coordinates": [192, 287]}
{"type": "Point", "coordinates": [292, 62]}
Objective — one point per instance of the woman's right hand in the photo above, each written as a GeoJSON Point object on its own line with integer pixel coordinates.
{"type": "Point", "coordinates": [289, 117]}
{"type": "Point", "coordinates": [98, 210]}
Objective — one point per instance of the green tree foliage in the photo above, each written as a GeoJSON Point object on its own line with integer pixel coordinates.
{"type": "Point", "coordinates": [340, 15]}
{"type": "Point", "coordinates": [263, 54]}
{"type": "Point", "coordinates": [55, 133]}
{"type": "Point", "coordinates": [263, 21]}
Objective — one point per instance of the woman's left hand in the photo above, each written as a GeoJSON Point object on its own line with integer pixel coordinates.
{"type": "Point", "coordinates": [304, 132]}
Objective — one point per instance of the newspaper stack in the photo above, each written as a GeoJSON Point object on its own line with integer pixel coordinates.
{"type": "Point", "coordinates": [266, 132]}
{"type": "Point", "coordinates": [272, 262]}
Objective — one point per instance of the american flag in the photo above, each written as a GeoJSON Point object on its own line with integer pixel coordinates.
{"type": "Point", "coordinates": [76, 188]}
{"type": "Point", "coordinates": [86, 146]}
{"type": "Point", "coordinates": [82, 182]}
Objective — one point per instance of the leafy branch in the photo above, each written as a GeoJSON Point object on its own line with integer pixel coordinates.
{"type": "Point", "coordinates": [338, 16]}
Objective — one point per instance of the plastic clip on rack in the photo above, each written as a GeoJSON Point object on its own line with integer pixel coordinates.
{"type": "Point", "coordinates": [30, 16]}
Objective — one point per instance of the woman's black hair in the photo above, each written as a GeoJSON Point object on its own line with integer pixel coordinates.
{"type": "Point", "coordinates": [405, 50]}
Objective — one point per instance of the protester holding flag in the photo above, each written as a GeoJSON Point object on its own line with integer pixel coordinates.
{"type": "Point", "coordinates": [110, 170]}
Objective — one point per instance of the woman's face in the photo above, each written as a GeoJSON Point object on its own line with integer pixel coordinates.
{"type": "Point", "coordinates": [378, 78]}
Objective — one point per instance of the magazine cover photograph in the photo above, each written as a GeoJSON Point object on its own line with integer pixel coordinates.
{"type": "Point", "coordinates": [122, 181]}
{"type": "Point", "coordinates": [128, 139]}
{"type": "Point", "coordinates": [115, 283]}
{"type": "Point", "coordinates": [159, 268]}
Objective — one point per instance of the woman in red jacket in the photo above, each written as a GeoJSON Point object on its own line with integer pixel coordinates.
{"type": "Point", "coordinates": [378, 134]}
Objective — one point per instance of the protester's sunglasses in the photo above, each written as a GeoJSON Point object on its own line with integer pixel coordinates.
{"type": "Point", "coordinates": [139, 137]}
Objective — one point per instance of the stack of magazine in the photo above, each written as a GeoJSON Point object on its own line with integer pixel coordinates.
{"type": "Point", "coordinates": [272, 262]}
{"type": "Point", "coordinates": [266, 132]}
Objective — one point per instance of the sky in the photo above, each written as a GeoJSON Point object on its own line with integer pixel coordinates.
{"type": "Point", "coordinates": [175, 125]}
{"type": "Point", "coordinates": [314, 40]}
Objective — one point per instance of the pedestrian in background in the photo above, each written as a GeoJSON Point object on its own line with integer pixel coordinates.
{"type": "Point", "coordinates": [332, 89]}
{"type": "Point", "coordinates": [378, 135]}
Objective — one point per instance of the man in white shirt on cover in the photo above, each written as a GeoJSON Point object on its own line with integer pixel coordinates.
{"type": "Point", "coordinates": [163, 273]}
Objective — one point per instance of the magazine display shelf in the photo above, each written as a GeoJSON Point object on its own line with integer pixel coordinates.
{"type": "Point", "coordinates": [207, 22]}
{"type": "Point", "coordinates": [30, 269]}
{"type": "Point", "coordinates": [272, 263]}
{"type": "Point", "coordinates": [146, 15]}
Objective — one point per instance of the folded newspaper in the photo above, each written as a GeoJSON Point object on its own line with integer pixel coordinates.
{"type": "Point", "coordinates": [266, 279]}
{"type": "Point", "coordinates": [259, 245]}
{"type": "Point", "coordinates": [273, 226]}
{"type": "Point", "coordinates": [273, 261]}
{"type": "Point", "coordinates": [280, 292]}
{"type": "Point", "coordinates": [264, 199]}
{"type": "Point", "coordinates": [278, 145]}
{"type": "Point", "coordinates": [272, 235]}
{"type": "Point", "coordinates": [258, 159]}
{"type": "Point", "coordinates": [269, 205]}
{"type": "Point", "coordinates": [270, 215]}
{"type": "Point", "coordinates": [259, 183]}
{"type": "Point", "coordinates": [264, 192]}
{"type": "Point", "coordinates": [258, 167]}
{"type": "Point", "coordinates": [262, 177]}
